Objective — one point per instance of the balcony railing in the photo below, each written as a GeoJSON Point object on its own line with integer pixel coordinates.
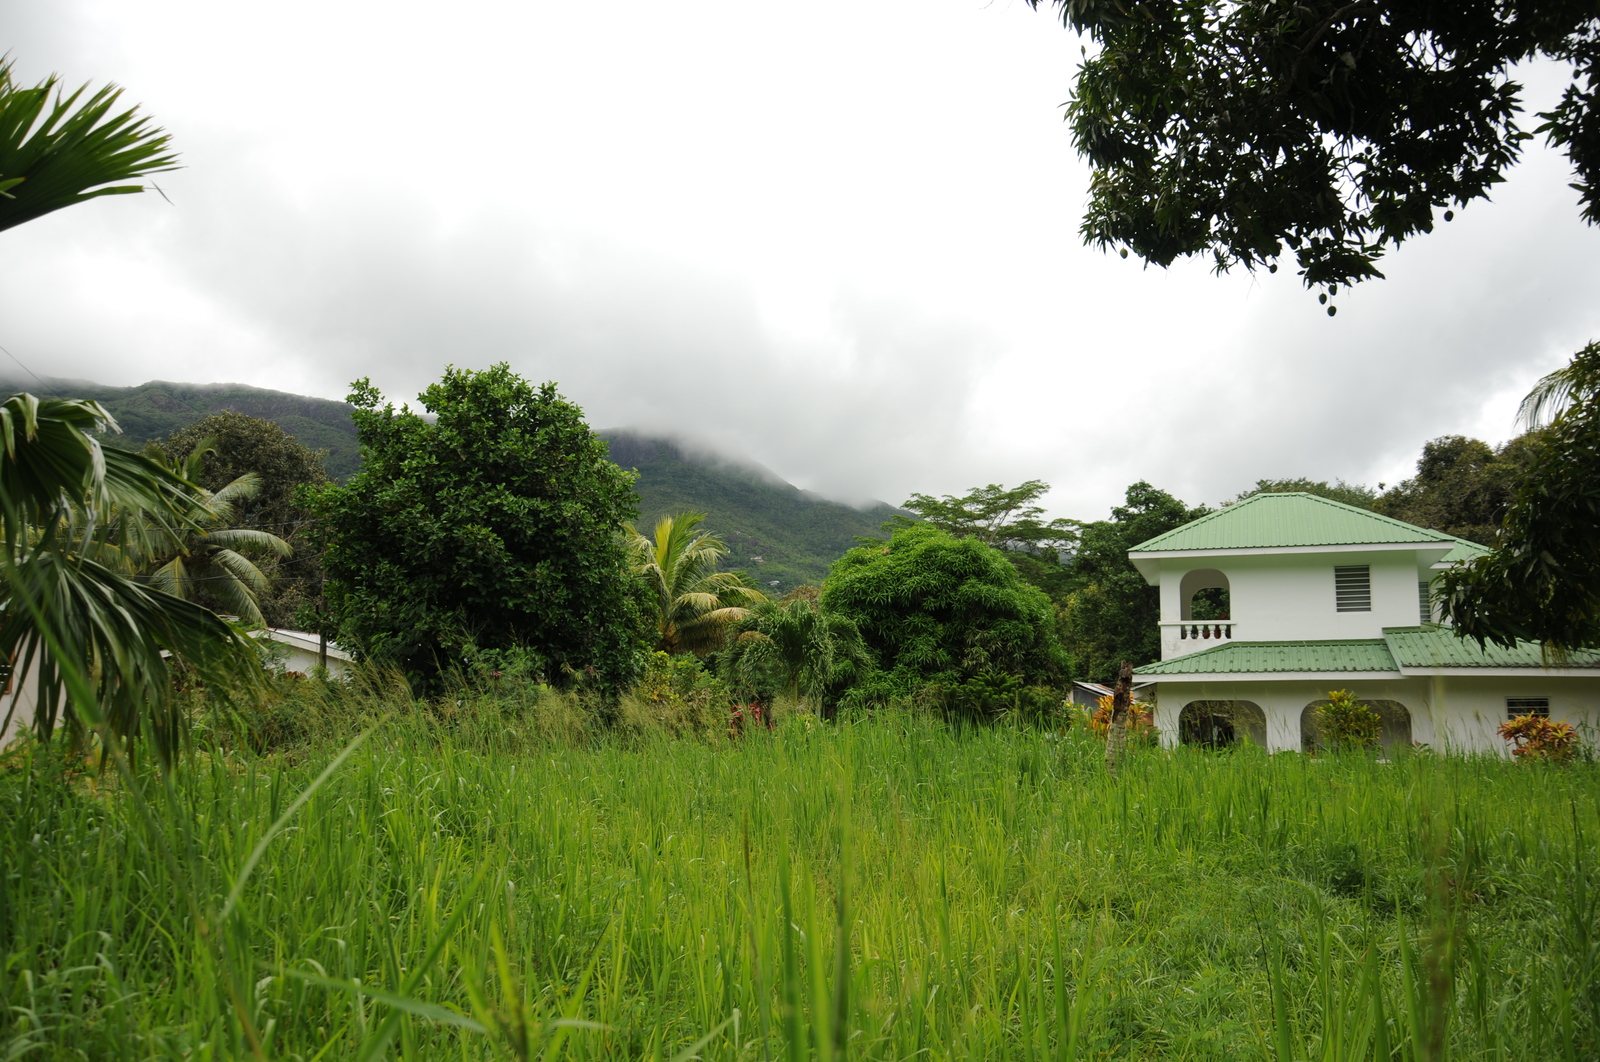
{"type": "Point", "coordinates": [1199, 630]}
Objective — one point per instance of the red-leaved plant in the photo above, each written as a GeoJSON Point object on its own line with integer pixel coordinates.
{"type": "Point", "coordinates": [1141, 724]}
{"type": "Point", "coordinates": [1535, 737]}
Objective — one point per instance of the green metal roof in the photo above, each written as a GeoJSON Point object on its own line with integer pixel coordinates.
{"type": "Point", "coordinates": [1437, 646]}
{"type": "Point", "coordinates": [1279, 520]}
{"type": "Point", "coordinates": [1430, 646]}
{"type": "Point", "coordinates": [1256, 657]}
{"type": "Point", "coordinates": [1464, 550]}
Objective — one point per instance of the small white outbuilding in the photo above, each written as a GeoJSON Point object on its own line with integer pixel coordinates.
{"type": "Point", "coordinates": [300, 652]}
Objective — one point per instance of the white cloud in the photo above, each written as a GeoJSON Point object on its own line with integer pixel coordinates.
{"type": "Point", "coordinates": [839, 240]}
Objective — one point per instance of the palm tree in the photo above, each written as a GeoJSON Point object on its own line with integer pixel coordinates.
{"type": "Point", "coordinates": [71, 620]}
{"type": "Point", "coordinates": [806, 649]}
{"type": "Point", "coordinates": [1576, 382]}
{"type": "Point", "coordinates": [690, 602]}
{"type": "Point", "coordinates": [205, 559]}
{"type": "Point", "coordinates": [52, 155]}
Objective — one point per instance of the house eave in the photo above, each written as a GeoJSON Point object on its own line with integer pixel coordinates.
{"type": "Point", "coordinates": [1274, 676]}
{"type": "Point", "coordinates": [1503, 672]}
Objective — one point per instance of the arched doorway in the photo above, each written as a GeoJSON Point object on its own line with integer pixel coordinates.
{"type": "Point", "coordinates": [1396, 724]}
{"type": "Point", "coordinates": [1204, 593]}
{"type": "Point", "coordinates": [1218, 724]}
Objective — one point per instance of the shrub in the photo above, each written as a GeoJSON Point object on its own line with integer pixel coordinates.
{"type": "Point", "coordinates": [1535, 737]}
{"type": "Point", "coordinates": [1346, 723]}
{"type": "Point", "coordinates": [679, 695]}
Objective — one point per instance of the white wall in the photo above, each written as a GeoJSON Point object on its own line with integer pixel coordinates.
{"type": "Point", "coordinates": [19, 705]}
{"type": "Point", "coordinates": [1456, 713]}
{"type": "Point", "coordinates": [1283, 702]}
{"type": "Point", "coordinates": [1290, 596]}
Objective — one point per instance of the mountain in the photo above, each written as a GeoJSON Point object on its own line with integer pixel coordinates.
{"type": "Point", "coordinates": [781, 535]}
{"type": "Point", "coordinates": [159, 408]}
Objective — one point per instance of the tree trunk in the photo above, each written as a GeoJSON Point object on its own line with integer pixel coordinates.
{"type": "Point", "coordinates": [1117, 732]}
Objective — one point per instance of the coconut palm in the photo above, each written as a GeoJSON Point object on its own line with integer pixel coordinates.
{"type": "Point", "coordinates": [794, 642]}
{"type": "Point", "coordinates": [72, 621]}
{"type": "Point", "coordinates": [691, 604]}
{"type": "Point", "coordinates": [1575, 382]}
{"type": "Point", "coordinates": [206, 560]}
{"type": "Point", "coordinates": [53, 155]}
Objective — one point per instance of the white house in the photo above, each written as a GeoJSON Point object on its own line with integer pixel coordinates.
{"type": "Point", "coordinates": [1319, 596]}
{"type": "Point", "coordinates": [299, 653]}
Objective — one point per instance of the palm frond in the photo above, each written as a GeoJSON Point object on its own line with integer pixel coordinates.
{"type": "Point", "coordinates": [171, 578]}
{"type": "Point", "coordinates": [249, 540]}
{"type": "Point", "coordinates": [56, 155]}
{"type": "Point", "coordinates": [233, 582]}
{"type": "Point", "coordinates": [1556, 392]}
{"type": "Point", "coordinates": [127, 637]}
{"type": "Point", "coordinates": [225, 502]}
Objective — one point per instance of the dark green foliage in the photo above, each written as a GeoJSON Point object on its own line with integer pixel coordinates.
{"type": "Point", "coordinates": [796, 534]}
{"type": "Point", "coordinates": [496, 525]}
{"type": "Point", "coordinates": [1462, 486]}
{"type": "Point", "coordinates": [937, 609]}
{"type": "Point", "coordinates": [995, 516]}
{"type": "Point", "coordinates": [1008, 518]}
{"type": "Point", "coordinates": [253, 444]}
{"type": "Point", "coordinates": [991, 695]}
{"type": "Point", "coordinates": [1357, 494]}
{"type": "Point", "coordinates": [796, 647]}
{"type": "Point", "coordinates": [1111, 614]}
{"type": "Point", "coordinates": [1336, 129]}
{"type": "Point", "coordinates": [1542, 582]}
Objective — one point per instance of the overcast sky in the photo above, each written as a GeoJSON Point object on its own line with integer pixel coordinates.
{"type": "Point", "coordinates": [837, 238]}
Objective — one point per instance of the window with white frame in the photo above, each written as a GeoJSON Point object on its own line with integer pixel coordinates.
{"type": "Point", "coordinates": [1424, 602]}
{"type": "Point", "coordinates": [1352, 588]}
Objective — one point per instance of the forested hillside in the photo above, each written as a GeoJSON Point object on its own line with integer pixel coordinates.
{"type": "Point", "coordinates": [159, 408]}
{"type": "Point", "coordinates": [777, 532]}
{"type": "Point", "coordinates": [782, 535]}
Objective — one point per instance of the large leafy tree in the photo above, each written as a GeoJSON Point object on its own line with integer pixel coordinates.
{"type": "Point", "coordinates": [1357, 494]}
{"type": "Point", "coordinates": [1112, 614]}
{"type": "Point", "coordinates": [689, 603]}
{"type": "Point", "coordinates": [493, 523]}
{"type": "Point", "coordinates": [1006, 517]}
{"type": "Point", "coordinates": [1463, 486]}
{"type": "Point", "coordinates": [74, 625]}
{"type": "Point", "coordinates": [66, 150]}
{"type": "Point", "coordinates": [233, 445]}
{"type": "Point", "coordinates": [1333, 129]}
{"type": "Point", "coordinates": [1541, 582]}
{"type": "Point", "coordinates": [936, 608]}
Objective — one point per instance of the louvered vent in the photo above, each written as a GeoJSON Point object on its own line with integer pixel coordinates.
{"type": "Point", "coordinates": [1516, 706]}
{"type": "Point", "coordinates": [1424, 605]}
{"type": "Point", "coordinates": [1352, 588]}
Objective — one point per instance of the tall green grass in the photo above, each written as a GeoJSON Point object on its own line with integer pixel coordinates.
{"type": "Point", "coordinates": [500, 884]}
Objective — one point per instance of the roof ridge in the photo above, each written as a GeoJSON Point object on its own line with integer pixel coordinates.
{"type": "Point", "coordinates": [1152, 544]}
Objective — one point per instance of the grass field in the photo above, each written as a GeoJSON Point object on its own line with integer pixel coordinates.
{"type": "Point", "coordinates": [878, 889]}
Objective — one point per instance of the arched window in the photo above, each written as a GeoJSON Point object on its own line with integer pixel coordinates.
{"type": "Point", "coordinates": [1396, 724]}
{"type": "Point", "coordinates": [1218, 724]}
{"type": "Point", "coordinates": [1204, 592]}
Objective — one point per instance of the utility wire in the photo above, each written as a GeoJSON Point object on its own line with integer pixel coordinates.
{"type": "Point", "coordinates": [33, 374]}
